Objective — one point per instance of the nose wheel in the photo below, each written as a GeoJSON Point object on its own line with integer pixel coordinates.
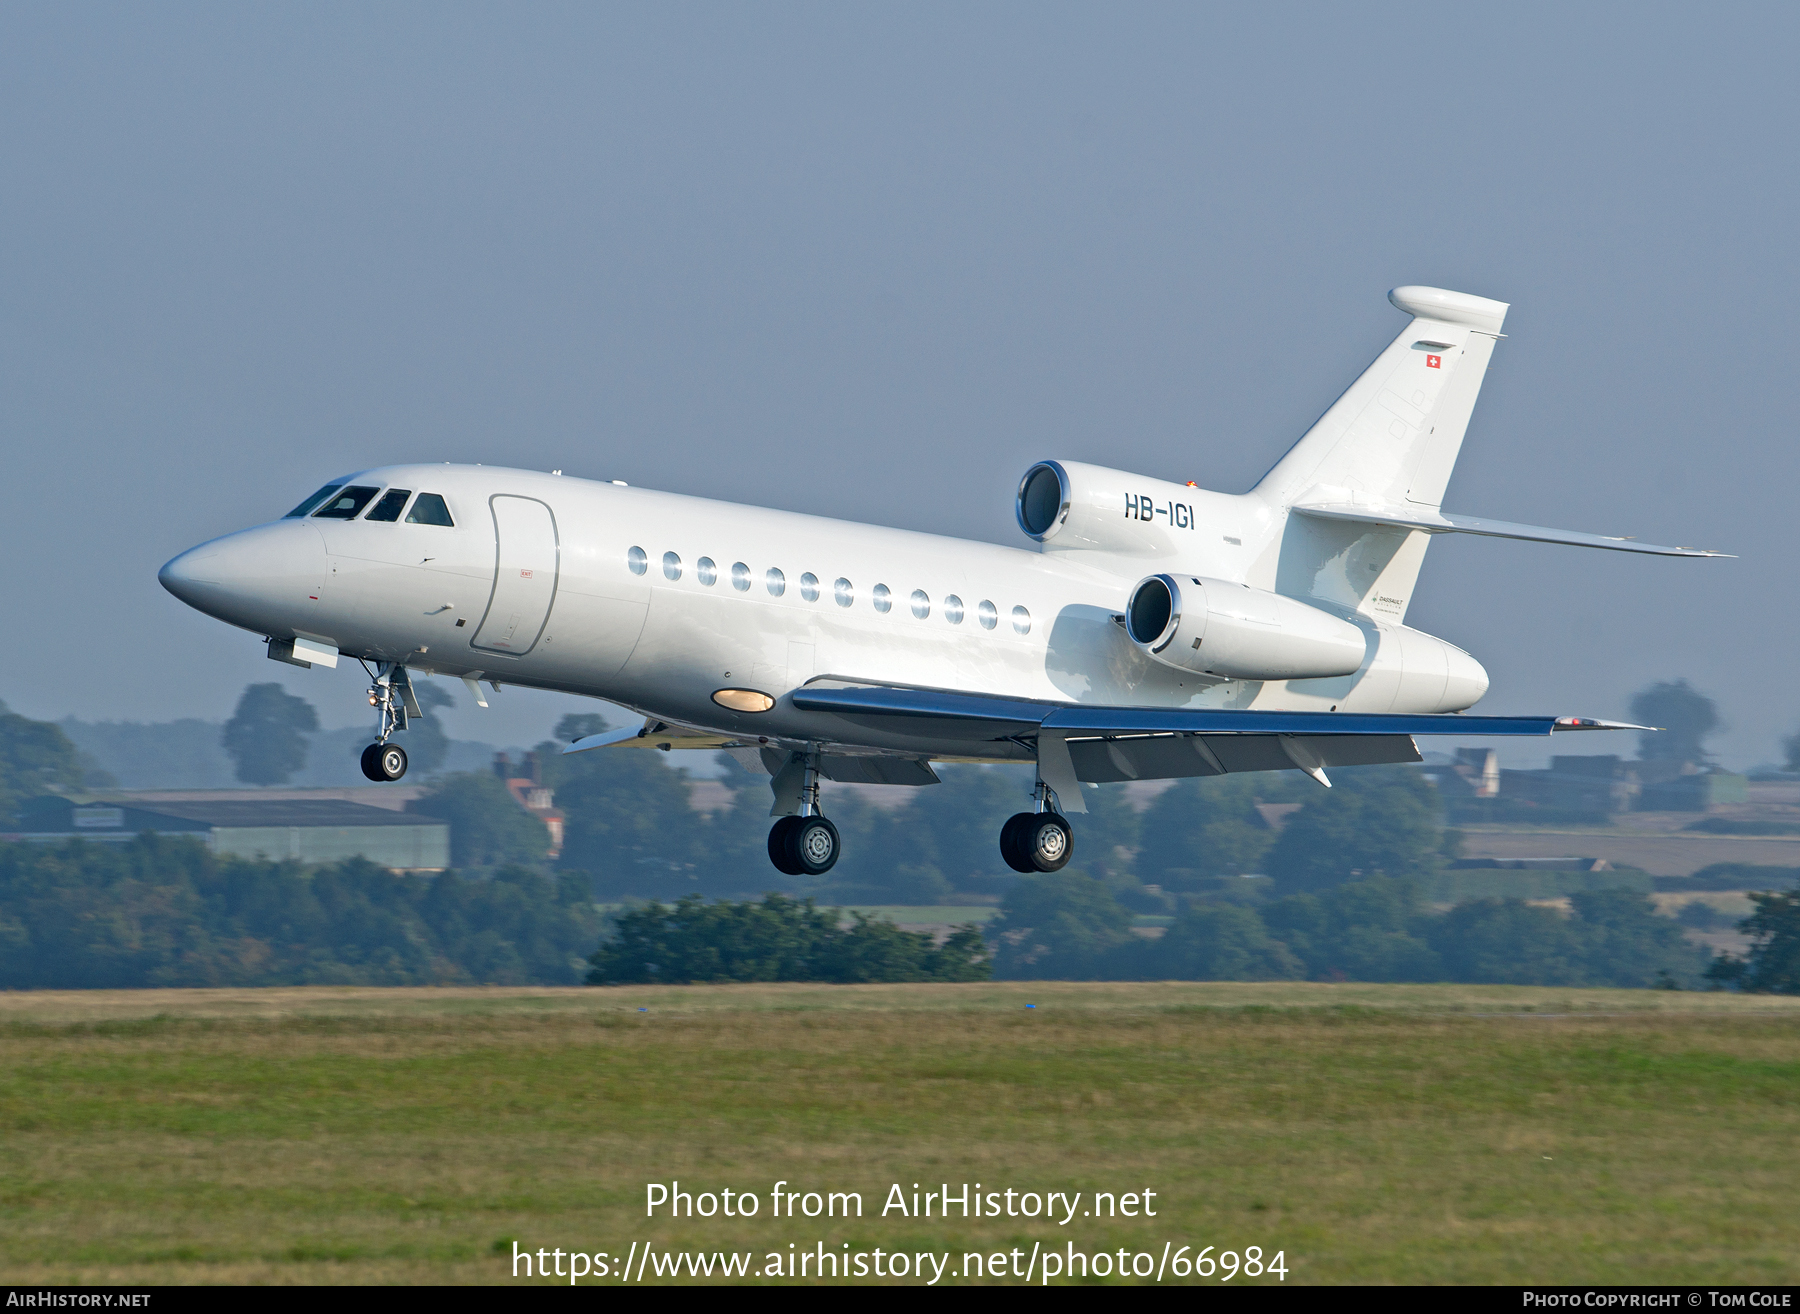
{"type": "Point", "coordinates": [1034, 842]}
{"type": "Point", "coordinates": [384, 762]}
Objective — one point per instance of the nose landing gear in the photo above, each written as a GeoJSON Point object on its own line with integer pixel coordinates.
{"type": "Point", "coordinates": [1037, 841]}
{"type": "Point", "coordinates": [394, 701]}
{"type": "Point", "coordinates": [805, 844]}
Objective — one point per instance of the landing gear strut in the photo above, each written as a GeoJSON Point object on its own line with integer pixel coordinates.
{"type": "Point", "coordinates": [1039, 840]}
{"type": "Point", "coordinates": [393, 699]}
{"type": "Point", "coordinates": [805, 844]}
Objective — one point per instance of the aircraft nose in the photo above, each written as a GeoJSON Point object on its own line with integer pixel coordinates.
{"type": "Point", "coordinates": [185, 577]}
{"type": "Point", "coordinates": [255, 579]}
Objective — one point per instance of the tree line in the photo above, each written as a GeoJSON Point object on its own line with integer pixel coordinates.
{"type": "Point", "coordinates": [160, 911]}
{"type": "Point", "coordinates": [1339, 897]}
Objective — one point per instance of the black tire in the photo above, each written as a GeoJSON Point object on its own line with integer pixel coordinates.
{"type": "Point", "coordinates": [390, 761]}
{"type": "Point", "coordinates": [813, 846]}
{"type": "Point", "coordinates": [778, 846]}
{"type": "Point", "coordinates": [371, 762]}
{"type": "Point", "coordinates": [1047, 843]}
{"type": "Point", "coordinates": [1011, 848]}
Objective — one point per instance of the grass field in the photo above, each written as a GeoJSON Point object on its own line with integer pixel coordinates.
{"type": "Point", "coordinates": [1370, 1133]}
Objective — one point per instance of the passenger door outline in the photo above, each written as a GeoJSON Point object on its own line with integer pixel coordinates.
{"type": "Point", "coordinates": [509, 608]}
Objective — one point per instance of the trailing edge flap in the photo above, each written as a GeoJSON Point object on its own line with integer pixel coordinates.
{"type": "Point", "coordinates": [1436, 522]}
{"type": "Point", "coordinates": [653, 734]}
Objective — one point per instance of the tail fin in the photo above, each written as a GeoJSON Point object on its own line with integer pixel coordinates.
{"type": "Point", "coordinates": [1391, 440]}
{"type": "Point", "coordinates": [1395, 434]}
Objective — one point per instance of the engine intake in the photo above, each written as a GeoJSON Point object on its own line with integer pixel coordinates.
{"type": "Point", "coordinates": [1071, 507]}
{"type": "Point", "coordinates": [1234, 631]}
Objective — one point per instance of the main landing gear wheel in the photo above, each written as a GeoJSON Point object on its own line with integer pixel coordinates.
{"type": "Point", "coordinates": [384, 762]}
{"type": "Point", "coordinates": [804, 846]}
{"type": "Point", "coordinates": [1036, 842]}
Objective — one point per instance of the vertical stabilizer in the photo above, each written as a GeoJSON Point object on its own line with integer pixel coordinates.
{"type": "Point", "coordinates": [1392, 439]}
{"type": "Point", "coordinates": [1395, 434]}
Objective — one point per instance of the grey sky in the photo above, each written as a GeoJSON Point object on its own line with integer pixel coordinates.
{"type": "Point", "coordinates": [872, 262]}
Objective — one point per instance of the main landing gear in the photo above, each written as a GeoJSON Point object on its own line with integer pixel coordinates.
{"type": "Point", "coordinates": [393, 699]}
{"type": "Point", "coordinates": [805, 844]}
{"type": "Point", "coordinates": [1040, 840]}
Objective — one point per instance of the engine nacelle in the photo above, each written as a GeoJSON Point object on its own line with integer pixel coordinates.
{"type": "Point", "coordinates": [1069, 506]}
{"type": "Point", "coordinates": [1234, 631]}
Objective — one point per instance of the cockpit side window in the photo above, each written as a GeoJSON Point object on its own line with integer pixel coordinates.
{"type": "Point", "coordinates": [312, 501]}
{"type": "Point", "coordinates": [346, 503]}
{"type": "Point", "coordinates": [430, 510]}
{"type": "Point", "coordinates": [388, 508]}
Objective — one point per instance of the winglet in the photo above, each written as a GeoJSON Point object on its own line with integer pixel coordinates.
{"type": "Point", "coordinates": [1589, 723]}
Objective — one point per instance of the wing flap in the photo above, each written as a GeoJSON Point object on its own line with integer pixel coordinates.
{"type": "Point", "coordinates": [1176, 756]}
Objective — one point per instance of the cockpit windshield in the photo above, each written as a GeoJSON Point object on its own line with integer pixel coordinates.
{"type": "Point", "coordinates": [346, 503]}
{"type": "Point", "coordinates": [430, 510]}
{"type": "Point", "coordinates": [312, 501]}
{"type": "Point", "coordinates": [388, 508]}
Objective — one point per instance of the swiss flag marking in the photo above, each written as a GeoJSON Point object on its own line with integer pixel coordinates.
{"type": "Point", "coordinates": [1434, 362]}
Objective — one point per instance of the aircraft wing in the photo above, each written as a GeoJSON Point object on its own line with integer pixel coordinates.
{"type": "Point", "coordinates": [1081, 742]}
{"type": "Point", "coordinates": [1436, 522]}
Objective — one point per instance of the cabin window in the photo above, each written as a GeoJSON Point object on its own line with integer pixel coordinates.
{"type": "Point", "coordinates": [638, 560]}
{"type": "Point", "coordinates": [1021, 621]}
{"type": "Point", "coordinates": [842, 593]}
{"type": "Point", "coordinates": [740, 577]}
{"type": "Point", "coordinates": [953, 611]}
{"type": "Point", "coordinates": [391, 504]}
{"type": "Point", "coordinates": [305, 508]}
{"type": "Point", "coordinates": [430, 510]}
{"type": "Point", "coordinates": [706, 572]}
{"type": "Point", "coordinates": [987, 614]}
{"type": "Point", "coordinates": [921, 603]}
{"type": "Point", "coordinates": [809, 586]}
{"type": "Point", "coordinates": [671, 566]}
{"type": "Point", "coordinates": [775, 581]}
{"type": "Point", "coordinates": [344, 504]}
{"type": "Point", "coordinates": [882, 598]}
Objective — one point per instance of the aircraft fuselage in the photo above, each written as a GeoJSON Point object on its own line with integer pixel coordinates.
{"type": "Point", "coordinates": [657, 601]}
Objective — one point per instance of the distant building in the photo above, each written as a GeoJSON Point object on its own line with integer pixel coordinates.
{"type": "Point", "coordinates": [306, 829]}
{"type": "Point", "coordinates": [1601, 782]}
{"type": "Point", "coordinates": [1684, 787]}
{"type": "Point", "coordinates": [1598, 784]}
{"type": "Point", "coordinates": [1471, 773]}
{"type": "Point", "coordinates": [530, 792]}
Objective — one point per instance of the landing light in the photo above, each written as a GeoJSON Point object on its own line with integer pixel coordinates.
{"type": "Point", "coordinates": [743, 700]}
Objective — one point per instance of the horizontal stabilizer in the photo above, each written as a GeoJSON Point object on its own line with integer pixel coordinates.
{"type": "Point", "coordinates": [1436, 522]}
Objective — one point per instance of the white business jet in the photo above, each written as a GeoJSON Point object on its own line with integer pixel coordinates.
{"type": "Point", "coordinates": [1153, 630]}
